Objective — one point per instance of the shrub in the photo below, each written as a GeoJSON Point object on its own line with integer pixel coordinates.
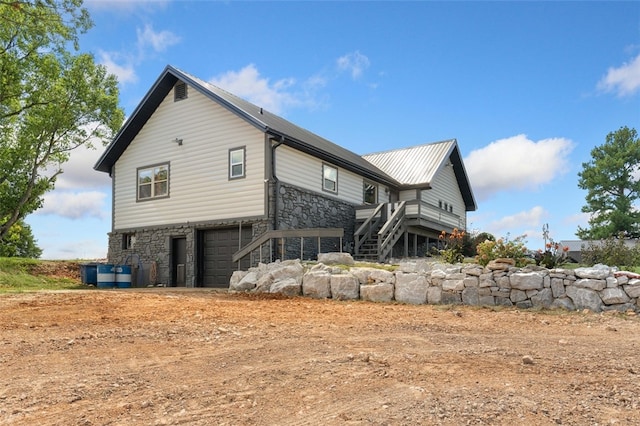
{"type": "Point", "coordinates": [453, 244]}
{"type": "Point", "coordinates": [503, 248]}
{"type": "Point", "coordinates": [554, 254]}
{"type": "Point", "coordinates": [612, 252]}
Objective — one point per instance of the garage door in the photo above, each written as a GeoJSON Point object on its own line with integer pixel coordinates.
{"type": "Point", "coordinates": [216, 249]}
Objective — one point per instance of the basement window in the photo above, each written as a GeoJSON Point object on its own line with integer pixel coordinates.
{"type": "Point", "coordinates": [180, 91]}
{"type": "Point", "coordinates": [128, 241]}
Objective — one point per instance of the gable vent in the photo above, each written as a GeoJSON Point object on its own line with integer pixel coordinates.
{"type": "Point", "coordinates": [180, 91]}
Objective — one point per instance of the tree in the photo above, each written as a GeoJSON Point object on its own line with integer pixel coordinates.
{"type": "Point", "coordinates": [52, 100]}
{"type": "Point", "coordinates": [612, 182]}
{"type": "Point", "coordinates": [19, 242]}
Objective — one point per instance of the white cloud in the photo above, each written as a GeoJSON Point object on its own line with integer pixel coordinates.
{"type": "Point", "coordinates": [159, 41]}
{"type": "Point", "coordinates": [248, 84]}
{"type": "Point", "coordinates": [125, 73]}
{"type": "Point", "coordinates": [624, 80]}
{"type": "Point", "coordinates": [78, 172]}
{"type": "Point", "coordinates": [74, 205]}
{"type": "Point", "coordinates": [355, 63]}
{"type": "Point", "coordinates": [516, 163]}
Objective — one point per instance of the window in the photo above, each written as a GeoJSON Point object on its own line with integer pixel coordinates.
{"type": "Point", "coordinates": [128, 240]}
{"type": "Point", "coordinates": [236, 163]}
{"type": "Point", "coordinates": [370, 193]}
{"type": "Point", "coordinates": [329, 178]}
{"type": "Point", "coordinates": [179, 91]}
{"type": "Point", "coordinates": [153, 182]}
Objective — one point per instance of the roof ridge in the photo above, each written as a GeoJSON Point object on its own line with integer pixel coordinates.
{"type": "Point", "coordinates": [406, 148]}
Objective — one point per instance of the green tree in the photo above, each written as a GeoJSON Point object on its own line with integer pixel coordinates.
{"type": "Point", "coordinates": [52, 100]}
{"type": "Point", "coordinates": [612, 184]}
{"type": "Point", "coordinates": [19, 242]}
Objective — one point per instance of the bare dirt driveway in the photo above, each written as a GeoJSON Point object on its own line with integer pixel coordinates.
{"type": "Point", "coordinates": [167, 357]}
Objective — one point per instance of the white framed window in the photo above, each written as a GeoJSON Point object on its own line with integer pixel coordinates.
{"type": "Point", "coordinates": [369, 192]}
{"type": "Point", "coordinates": [329, 178]}
{"type": "Point", "coordinates": [153, 182]}
{"type": "Point", "coordinates": [237, 163]}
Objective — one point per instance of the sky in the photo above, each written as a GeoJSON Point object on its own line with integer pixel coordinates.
{"type": "Point", "coordinates": [527, 89]}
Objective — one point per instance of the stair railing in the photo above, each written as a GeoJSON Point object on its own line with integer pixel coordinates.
{"type": "Point", "coordinates": [391, 232]}
{"type": "Point", "coordinates": [366, 231]}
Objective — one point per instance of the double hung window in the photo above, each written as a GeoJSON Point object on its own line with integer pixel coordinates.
{"type": "Point", "coordinates": [153, 182]}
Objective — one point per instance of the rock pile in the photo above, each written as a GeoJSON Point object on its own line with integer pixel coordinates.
{"type": "Point", "coordinates": [598, 288]}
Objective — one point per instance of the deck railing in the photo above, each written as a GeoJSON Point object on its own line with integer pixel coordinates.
{"type": "Point", "coordinates": [268, 237]}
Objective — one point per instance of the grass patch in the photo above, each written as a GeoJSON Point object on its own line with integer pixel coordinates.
{"type": "Point", "coordinates": [21, 275]}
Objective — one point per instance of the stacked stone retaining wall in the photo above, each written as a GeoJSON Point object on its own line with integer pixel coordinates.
{"type": "Point", "coordinates": [598, 288]}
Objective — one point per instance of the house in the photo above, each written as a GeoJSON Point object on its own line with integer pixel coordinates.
{"type": "Point", "coordinates": [205, 182]}
{"type": "Point", "coordinates": [576, 247]}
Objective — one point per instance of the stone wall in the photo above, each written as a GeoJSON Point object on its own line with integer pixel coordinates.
{"type": "Point", "coordinates": [299, 209]}
{"type": "Point", "coordinates": [153, 244]}
{"type": "Point", "coordinates": [599, 288]}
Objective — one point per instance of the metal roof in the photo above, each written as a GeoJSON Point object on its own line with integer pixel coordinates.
{"type": "Point", "coordinates": [406, 167]}
{"type": "Point", "coordinates": [415, 165]}
{"type": "Point", "coordinates": [281, 129]}
{"type": "Point", "coordinates": [418, 165]}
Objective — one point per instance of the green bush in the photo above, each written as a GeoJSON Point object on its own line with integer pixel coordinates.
{"type": "Point", "coordinates": [612, 252]}
{"type": "Point", "coordinates": [503, 248]}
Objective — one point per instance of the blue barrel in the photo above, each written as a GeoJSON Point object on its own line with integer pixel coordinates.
{"type": "Point", "coordinates": [106, 276]}
{"type": "Point", "coordinates": [88, 273]}
{"type": "Point", "coordinates": [123, 276]}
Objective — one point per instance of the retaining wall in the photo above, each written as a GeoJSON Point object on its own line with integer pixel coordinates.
{"type": "Point", "coordinates": [598, 288]}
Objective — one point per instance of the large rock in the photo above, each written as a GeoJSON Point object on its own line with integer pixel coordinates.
{"type": "Point", "coordinates": [382, 292]}
{"type": "Point", "coordinates": [563, 303]}
{"type": "Point", "coordinates": [450, 298]}
{"type": "Point", "coordinates": [527, 280]}
{"type": "Point", "coordinates": [287, 286]}
{"type": "Point", "coordinates": [316, 285]}
{"type": "Point", "coordinates": [633, 288]}
{"type": "Point", "coordinates": [613, 296]}
{"type": "Point", "coordinates": [335, 258]}
{"type": "Point", "coordinates": [470, 296]}
{"type": "Point", "coordinates": [411, 288]}
{"type": "Point", "coordinates": [235, 279]}
{"type": "Point", "coordinates": [585, 298]}
{"type": "Point", "coordinates": [542, 299]}
{"type": "Point", "coordinates": [434, 295]}
{"type": "Point", "coordinates": [517, 295]}
{"type": "Point", "coordinates": [557, 287]}
{"type": "Point", "coordinates": [453, 285]}
{"type": "Point", "coordinates": [591, 284]}
{"type": "Point", "coordinates": [247, 281]}
{"type": "Point", "coordinates": [597, 272]}
{"type": "Point", "coordinates": [345, 287]}
{"type": "Point", "coordinates": [288, 269]}
{"type": "Point", "coordinates": [372, 275]}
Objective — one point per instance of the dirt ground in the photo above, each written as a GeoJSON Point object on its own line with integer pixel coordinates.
{"type": "Point", "coordinates": [168, 357]}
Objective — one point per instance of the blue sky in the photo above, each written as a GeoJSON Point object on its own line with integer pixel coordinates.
{"type": "Point", "coordinates": [527, 89]}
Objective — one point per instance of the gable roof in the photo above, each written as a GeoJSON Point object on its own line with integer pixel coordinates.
{"type": "Point", "coordinates": [417, 166]}
{"type": "Point", "coordinates": [281, 129]}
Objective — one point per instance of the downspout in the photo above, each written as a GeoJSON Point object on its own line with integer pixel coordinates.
{"type": "Point", "coordinates": [275, 181]}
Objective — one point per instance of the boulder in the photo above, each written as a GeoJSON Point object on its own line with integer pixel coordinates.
{"type": "Point", "coordinates": [287, 286]}
{"type": "Point", "coordinates": [591, 284]}
{"type": "Point", "coordinates": [434, 295]}
{"type": "Point", "coordinates": [382, 292]}
{"type": "Point", "coordinates": [451, 298]}
{"type": "Point", "coordinates": [527, 280]}
{"type": "Point", "coordinates": [411, 288]}
{"type": "Point", "coordinates": [235, 279]}
{"type": "Point", "coordinates": [316, 285]}
{"type": "Point", "coordinates": [453, 285]}
{"type": "Point", "coordinates": [596, 272]}
{"type": "Point", "coordinates": [613, 296]}
{"type": "Point", "coordinates": [584, 298]}
{"type": "Point", "coordinates": [633, 288]}
{"type": "Point", "coordinates": [563, 303]}
{"type": "Point", "coordinates": [247, 282]}
{"type": "Point", "coordinates": [470, 296]}
{"type": "Point", "coordinates": [345, 287]}
{"type": "Point", "coordinates": [542, 299]}
{"type": "Point", "coordinates": [517, 295]}
{"type": "Point", "coordinates": [335, 258]}
{"type": "Point", "coordinates": [557, 287]}
{"type": "Point", "coordinates": [372, 275]}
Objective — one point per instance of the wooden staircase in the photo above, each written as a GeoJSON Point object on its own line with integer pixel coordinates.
{"type": "Point", "coordinates": [378, 234]}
